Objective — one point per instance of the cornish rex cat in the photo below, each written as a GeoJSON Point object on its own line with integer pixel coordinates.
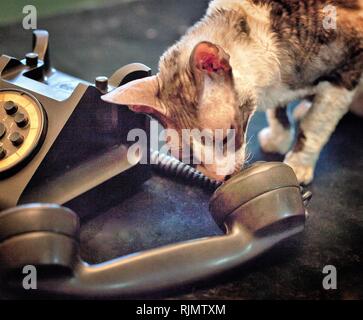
{"type": "Point", "coordinates": [248, 55]}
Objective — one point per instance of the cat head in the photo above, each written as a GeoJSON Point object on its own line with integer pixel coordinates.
{"type": "Point", "coordinates": [194, 91]}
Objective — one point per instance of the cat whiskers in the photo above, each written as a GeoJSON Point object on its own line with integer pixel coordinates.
{"type": "Point", "coordinates": [249, 155]}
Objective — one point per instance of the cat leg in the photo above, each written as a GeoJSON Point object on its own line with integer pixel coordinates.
{"type": "Point", "coordinates": [329, 106]}
{"type": "Point", "coordinates": [357, 105]}
{"type": "Point", "coordinates": [278, 137]}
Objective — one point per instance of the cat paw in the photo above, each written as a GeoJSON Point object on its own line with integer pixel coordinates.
{"type": "Point", "coordinates": [272, 142]}
{"type": "Point", "coordinates": [304, 172]}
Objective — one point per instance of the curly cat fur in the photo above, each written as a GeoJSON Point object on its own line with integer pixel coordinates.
{"type": "Point", "coordinates": [279, 51]}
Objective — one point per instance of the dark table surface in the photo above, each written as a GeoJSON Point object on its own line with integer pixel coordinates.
{"type": "Point", "coordinates": [96, 42]}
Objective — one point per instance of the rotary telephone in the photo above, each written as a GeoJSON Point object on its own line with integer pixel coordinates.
{"type": "Point", "coordinates": [61, 147]}
{"type": "Point", "coordinates": [56, 132]}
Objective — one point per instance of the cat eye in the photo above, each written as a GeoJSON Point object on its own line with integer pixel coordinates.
{"type": "Point", "coordinates": [231, 135]}
{"type": "Point", "coordinates": [225, 141]}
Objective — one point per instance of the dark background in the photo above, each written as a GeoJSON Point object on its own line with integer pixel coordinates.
{"type": "Point", "coordinates": [92, 38]}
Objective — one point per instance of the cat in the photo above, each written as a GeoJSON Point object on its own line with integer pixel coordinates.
{"type": "Point", "coordinates": [248, 55]}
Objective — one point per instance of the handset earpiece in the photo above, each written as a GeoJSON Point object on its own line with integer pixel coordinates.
{"type": "Point", "coordinates": [257, 209]}
{"type": "Point", "coordinates": [43, 235]}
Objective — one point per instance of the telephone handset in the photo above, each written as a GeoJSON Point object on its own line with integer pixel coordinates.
{"type": "Point", "coordinates": [257, 209]}
{"type": "Point", "coordinates": [51, 152]}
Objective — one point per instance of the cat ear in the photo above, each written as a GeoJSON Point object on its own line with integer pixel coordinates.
{"type": "Point", "coordinates": [140, 96]}
{"type": "Point", "coordinates": [210, 58]}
